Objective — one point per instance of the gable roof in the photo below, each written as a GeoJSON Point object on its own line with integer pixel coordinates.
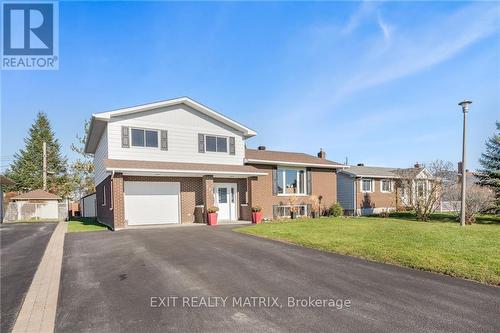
{"type": "Point", "coordinates": [256, 156]}
{"type": "Point", "coordinates": [36, 195]}
{"type": "Point", "coordinates": [99, 120]}
{"type": "Point", "coordinates": [383, 172]}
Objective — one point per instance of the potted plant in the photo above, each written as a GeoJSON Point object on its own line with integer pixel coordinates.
{"type": "Point", "coordinates": [257, 214]}
{"type": "Point", "coordinates": [212, 215]}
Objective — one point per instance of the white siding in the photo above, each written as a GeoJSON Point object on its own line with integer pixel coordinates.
{"type": "Point", "coordinates": [345, 191]}
{"type": "Point", "coordinates": [183, 125]}
{"type": "Point", "coordinates": [101, 153]}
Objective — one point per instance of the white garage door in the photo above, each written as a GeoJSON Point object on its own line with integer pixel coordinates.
{"type": "Point", "coordinates": [151, 202]}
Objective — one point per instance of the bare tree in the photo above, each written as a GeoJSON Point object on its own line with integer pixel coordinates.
{"type": "Point", "coordinates": [478, 200]}
{"type": "Point", "coordinates": [421, 189]}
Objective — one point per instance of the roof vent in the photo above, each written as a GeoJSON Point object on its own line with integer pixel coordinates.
{"type": "Point", "coordinates": [322, 153]}
{"type": "Point", "coordinates": [361, 164]}
{"type": "Point", "coordinates": [261, 148]}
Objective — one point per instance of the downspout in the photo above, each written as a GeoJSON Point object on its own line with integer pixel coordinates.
{"type": "Point", "coordinates": [111, 195]}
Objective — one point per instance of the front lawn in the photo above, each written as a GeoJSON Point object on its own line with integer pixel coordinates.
{"type": "Point", "coordinates": [78, 224]}
{"type": "Point", "coordinates": [471, 252]}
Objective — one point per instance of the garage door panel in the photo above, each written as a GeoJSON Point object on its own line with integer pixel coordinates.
{"type": "Point", "coordinates": [151, 202]}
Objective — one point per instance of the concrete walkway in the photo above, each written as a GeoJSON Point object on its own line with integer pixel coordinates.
{"type": "Point", "coordinates": [39, 308]}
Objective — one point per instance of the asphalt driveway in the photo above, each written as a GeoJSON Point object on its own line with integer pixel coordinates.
{"type": "Point", "coordinates": [110, 280]}
{"type": "Point", "coordinates": [22, 248]}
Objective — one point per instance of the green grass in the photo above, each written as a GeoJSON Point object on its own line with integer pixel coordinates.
{"type": "Point", "coordinates": [79, 224]}
{"type": "Point", "coordinates": [441, 245]}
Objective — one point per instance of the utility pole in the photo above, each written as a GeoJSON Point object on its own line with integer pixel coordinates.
{"type": "Point", "coordinates": [465, 109]}
{"type": "Point", "coordinates": [45, 166]}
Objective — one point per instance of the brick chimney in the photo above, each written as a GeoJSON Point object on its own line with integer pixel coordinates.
{"type": "Point", "coordinates": [322, 153]}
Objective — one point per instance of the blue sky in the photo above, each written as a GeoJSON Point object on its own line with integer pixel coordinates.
{"type": "Point", "coordinates": [378, 82]}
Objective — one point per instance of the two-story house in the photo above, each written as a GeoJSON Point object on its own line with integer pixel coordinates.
{"type": "Point", "coordinates": [167, 162]}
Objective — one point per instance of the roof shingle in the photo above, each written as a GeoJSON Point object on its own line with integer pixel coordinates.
{"type": "Point", "coordinates": [281, 156]}
{"type": "Point", "coordinates": [36, 195]}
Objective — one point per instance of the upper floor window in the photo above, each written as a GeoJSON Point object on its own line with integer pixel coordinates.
{"type": "Point", "coordinates": [217, 144]}
{"type": "Point", "coordinates": [290, 181]}
{"type": "Point", "coordinates": [385, 185]}
{"type": "Point", "coordinates": [144, 138]}
{"type": "Point", "coordinates": [366, 185]}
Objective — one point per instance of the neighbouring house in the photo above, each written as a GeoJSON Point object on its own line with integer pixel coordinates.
{"type": "Point", "coordinates": [365, 190]}
{"type": "Point", "coordinates": [4, 181]}
{"type": "Point", "coordinates": [168, 162]}
{"type": "Point", "coordinates": [34, 205]}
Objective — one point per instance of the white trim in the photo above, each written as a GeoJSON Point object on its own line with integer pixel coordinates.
{"type": "Point", "coordinates": [216, 136]}
{"type": "Point", "coordinates": [105, 116]}
{"type": "Point", "coordinates": [390, 185]}
{"type": "Point", "coordinates": [284, 164]}
{"type": "Point", "coordinates": [283, 169]}
{"type": "Point", "coordinates": [192, 172]}
{"type": "Point", "coordinates": [372, 185]}
{"type": "Point", "coordinates": [158, 137]}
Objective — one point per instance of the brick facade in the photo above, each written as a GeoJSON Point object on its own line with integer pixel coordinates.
{"type": "Point", "coordinates": [324, 183]}
{"type": "Point", "coordinates": [198, 191]}
{"type": "Point", "coordinates": [375, 199]}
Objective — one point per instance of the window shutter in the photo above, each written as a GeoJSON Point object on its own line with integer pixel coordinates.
{"type": "Point", "coordinates": [232, 150]}
{"type": "Point", "coordinates": [275, 181]}
{"type": "Point", "coordinates": [164, 140]}
{"type": "Point", "coordinates": [125, 137]}
{"type": "Point", "coordinates": [275, 211]}
{"type": "Point", "coordinates": [201, 143]}
{"type": "Point", "coordinates": [309, 181]}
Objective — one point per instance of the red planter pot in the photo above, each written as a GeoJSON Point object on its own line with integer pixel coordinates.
{"type": "Point", "coordinates": [257, 217]}
{"type": "Point", "coordinates": [212, 218]}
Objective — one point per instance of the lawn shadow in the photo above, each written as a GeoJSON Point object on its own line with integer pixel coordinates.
{"type": "Point", "coordinates": [447, 217]}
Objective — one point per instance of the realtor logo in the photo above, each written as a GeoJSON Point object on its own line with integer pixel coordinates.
{"type": "Point", "coordinates": [30, 35]}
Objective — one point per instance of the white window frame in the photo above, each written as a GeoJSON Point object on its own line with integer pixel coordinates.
{"type": "Point", "coordinates": [216, 137]}
{"type": "Point", "coordinates": [290, 206]}
{"type": "Point", "coordinates": [104, 195]}
{"type": "Point", "coordinates": [372, 187]}
{"type": "Point", "coordinates": [382, 185]}
{"type": "Point", "coordinates": [158, 138]}
{"type": "Point", "coordinates": [299, 192]}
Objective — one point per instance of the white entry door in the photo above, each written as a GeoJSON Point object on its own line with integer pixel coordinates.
{"type": "Point", "coordinates": [151, 202]}
{"type": "Point", "coordinates": [225, 199]}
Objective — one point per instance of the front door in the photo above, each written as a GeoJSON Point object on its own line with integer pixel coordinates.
{"type": "Point", "coordinates": [225, 199]}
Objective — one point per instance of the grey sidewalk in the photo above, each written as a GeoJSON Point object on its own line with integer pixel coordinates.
{"type": "Point", "coordinates": [39, 308]}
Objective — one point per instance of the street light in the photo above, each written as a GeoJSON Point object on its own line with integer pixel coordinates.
{"type": "Point", "coordinates": [465, 109]}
